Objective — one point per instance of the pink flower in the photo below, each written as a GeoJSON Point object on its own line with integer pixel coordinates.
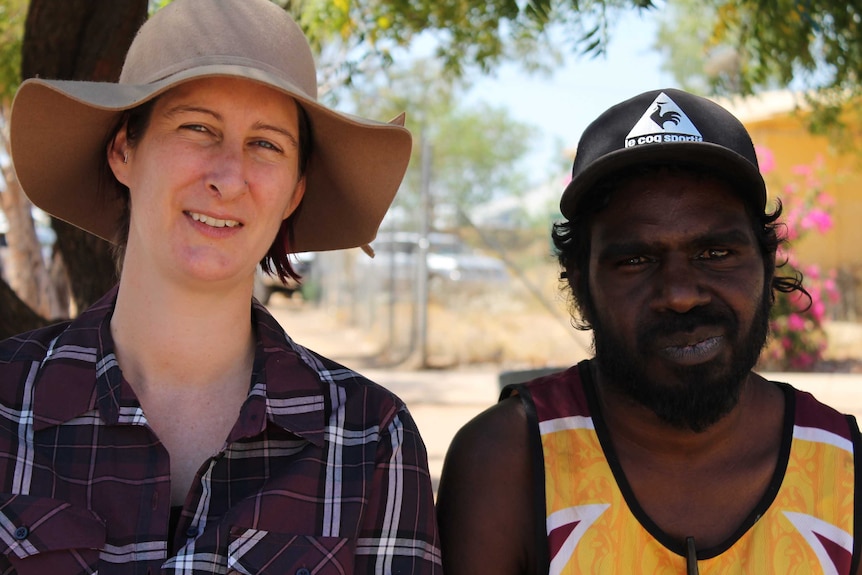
{"type": "Point", "coordinates": [818, 310]}
{"type": "Point", "coordinates": [765, 158]}
{"type": "Point", "coordinates": [818, 219]}
{"type": "Point", "coordinates": [812, 271]}
{"type": "Point", "coordinates": [798, 300]}
{"type": "Point", "coordinates": [802, 170]}
{"type": "Point", "coordinates": [802, 361]}
{"type": "Point", "coordinates": [795, 322]}
{"type": "Point", "coordinates": [825, 200]}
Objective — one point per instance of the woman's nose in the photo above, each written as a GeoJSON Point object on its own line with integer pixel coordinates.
{"type": "Point", "coordinates": [226, 176]}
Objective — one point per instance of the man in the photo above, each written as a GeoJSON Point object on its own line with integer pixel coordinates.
{"type": "Point", "coordinates": [665, 453]}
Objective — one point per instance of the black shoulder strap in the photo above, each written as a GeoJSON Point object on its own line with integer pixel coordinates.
{"type": "Point", "coordinates": [857, 493]}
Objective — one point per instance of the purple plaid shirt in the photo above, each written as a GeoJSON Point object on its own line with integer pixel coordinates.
{"type": "Point", "coordinates": [323, 472]}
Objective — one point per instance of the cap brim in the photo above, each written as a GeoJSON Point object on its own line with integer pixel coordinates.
{"type": "Point", "coordinates": [731, 165]}
{"type": "Point", "coordinates": [59, 131]}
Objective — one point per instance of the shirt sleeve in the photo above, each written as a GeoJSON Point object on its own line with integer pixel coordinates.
{"type": "Point", "coordinates": [399, 531]}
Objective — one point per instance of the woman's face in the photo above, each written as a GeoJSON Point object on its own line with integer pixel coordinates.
{"type": "Point", "coordinates": [210, 181]}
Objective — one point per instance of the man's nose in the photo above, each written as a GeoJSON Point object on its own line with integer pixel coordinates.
{"type": "Point", "coordinates": [679, 288]}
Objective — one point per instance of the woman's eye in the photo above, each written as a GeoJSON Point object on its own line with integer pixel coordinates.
{"type": "Point", "coordinates": [195, 128]}
{"type": "Point", "coordinates": [267, 145]}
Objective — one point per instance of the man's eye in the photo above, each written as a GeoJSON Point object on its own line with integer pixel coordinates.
{"type": "Point", "coordinates": [715, 254]}
{"type": "Point", "coordinates": [634, 261]}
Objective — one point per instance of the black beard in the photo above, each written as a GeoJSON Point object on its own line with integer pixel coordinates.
{"type": "Point", "coordinates": [709, 391]}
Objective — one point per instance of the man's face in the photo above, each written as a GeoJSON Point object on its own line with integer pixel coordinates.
{"type": "Point", "coordinates": [677, 296]}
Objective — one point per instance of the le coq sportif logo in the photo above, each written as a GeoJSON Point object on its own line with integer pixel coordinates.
{"type": "Point", "coordinates": [663, 122]}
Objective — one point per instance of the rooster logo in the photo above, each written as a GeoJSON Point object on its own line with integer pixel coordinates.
{"type": "Point", "coordinates": [663, 122]}
{"type": "Point", "coordinates": [661, 118]}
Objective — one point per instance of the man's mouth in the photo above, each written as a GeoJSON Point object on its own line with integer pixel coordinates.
{"type": "Point", "coordinates": [693, 351]}
{"type": "Point", "coordinates": [211, 221]}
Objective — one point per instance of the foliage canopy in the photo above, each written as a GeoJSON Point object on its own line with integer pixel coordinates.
{"type": "Point", "coordinates": [746, 46]}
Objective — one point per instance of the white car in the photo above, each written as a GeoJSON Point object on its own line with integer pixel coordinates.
{"type": "Point", "coordinates": [450, 262]}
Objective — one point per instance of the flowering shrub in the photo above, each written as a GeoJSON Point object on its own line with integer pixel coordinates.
{"type": "Point", "coordinates": [797, 324]}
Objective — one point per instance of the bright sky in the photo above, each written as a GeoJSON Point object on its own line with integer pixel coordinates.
{"type": "Point", "coordinates": [562, 105]}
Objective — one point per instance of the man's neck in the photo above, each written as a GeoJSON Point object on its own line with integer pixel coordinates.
{"type": "Point", "coordinates": [634, 426]}
{"type": "Point", "coordinates": [702, 485]}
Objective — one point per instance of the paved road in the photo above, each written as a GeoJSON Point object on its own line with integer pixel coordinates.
{"type": "Point", "coordinates": [443, 401]}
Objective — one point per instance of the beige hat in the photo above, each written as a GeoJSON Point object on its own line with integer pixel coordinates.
{"type": "Point", "coordinates": [59, 128]}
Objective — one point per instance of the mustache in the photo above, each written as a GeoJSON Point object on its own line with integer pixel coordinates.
{"type": "Point", "coordinates": [671, 323]}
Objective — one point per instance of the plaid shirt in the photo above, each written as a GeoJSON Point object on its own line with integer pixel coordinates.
{"type": "Point", "coordinates": [323, 472]}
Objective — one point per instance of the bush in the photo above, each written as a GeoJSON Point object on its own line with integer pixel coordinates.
{"type": "Point", "coordinates": [797, 324]}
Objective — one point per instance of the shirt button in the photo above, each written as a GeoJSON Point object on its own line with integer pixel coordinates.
{"type": "Point", "coordinates": [192, 532]}
{"type": "Point", "coordinates": [303, 571]}
{"type": "Point", "coordinates": [21, 533]}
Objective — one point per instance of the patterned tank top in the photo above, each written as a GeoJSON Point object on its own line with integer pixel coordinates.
{"type": "Point", "coordinates": [593, 524]}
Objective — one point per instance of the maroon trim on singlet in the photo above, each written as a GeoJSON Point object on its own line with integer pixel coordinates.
{"type": "Point", "coordinates": [537, 459]}
{"type": "Point", "coordinates": [812, 413]}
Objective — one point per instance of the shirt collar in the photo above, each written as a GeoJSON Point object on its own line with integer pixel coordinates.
{"type": "Point", "coordinates": [77, 373]}
{"type": "Point", "coordinates": [286, 389]}
{"type": "Point", "coordinates": [80, 374]}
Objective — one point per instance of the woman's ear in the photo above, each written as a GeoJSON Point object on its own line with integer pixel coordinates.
{"type": "Point", "coordinates": [298, 193]}
{"type": "Point", "coordinates": [118, 156]}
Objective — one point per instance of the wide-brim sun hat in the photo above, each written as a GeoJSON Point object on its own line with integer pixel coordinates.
{"type": "Point", "coordinates": [59, 128]}
{"type": "Point", "coordinates": [664, 127]}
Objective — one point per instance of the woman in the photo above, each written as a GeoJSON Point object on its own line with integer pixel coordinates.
{"type": "Point", "coordinates": [174, 427]}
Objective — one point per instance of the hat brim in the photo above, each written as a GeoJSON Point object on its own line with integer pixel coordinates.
{"type": "Point", "coordinates": [59, 130]}
{"type": "Point", "coordinates": [731, 165]}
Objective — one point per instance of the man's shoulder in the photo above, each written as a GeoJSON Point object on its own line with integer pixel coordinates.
{"type": "Point", "coordinates": [494, 439]}
{"type": "Point", "coordinates": [561, 393]}
{"type": "Point", "coordinates": [488, 480]}
{"type": "Point", "coordinates": [810, 412]}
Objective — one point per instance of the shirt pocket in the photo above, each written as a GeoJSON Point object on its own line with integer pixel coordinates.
{"type": "Point", "coordinates": [39, 535]}
{"type": "Point", "coordinates": [257, 552]}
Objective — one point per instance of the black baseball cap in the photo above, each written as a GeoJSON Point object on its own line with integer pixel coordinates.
{"type": "Point", "coordinates": [663, 127]}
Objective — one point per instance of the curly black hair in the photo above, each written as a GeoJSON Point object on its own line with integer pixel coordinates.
{"type": "Point", "coordinates": [572, 238]}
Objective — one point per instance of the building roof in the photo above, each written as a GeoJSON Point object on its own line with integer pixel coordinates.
{"type": "Point", "coordinates": [764, 105]}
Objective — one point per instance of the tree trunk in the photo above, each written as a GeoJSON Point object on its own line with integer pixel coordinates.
{"type": "Point", "coordinates": [76, 40]}
{"type": "Point", "coordinates": [25, 269]}
{"type": "Point", "coordinates": [16, 313]}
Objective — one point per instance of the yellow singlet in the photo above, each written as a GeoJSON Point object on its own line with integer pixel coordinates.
{"type": "Point", "coordinates": [804, 524]}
